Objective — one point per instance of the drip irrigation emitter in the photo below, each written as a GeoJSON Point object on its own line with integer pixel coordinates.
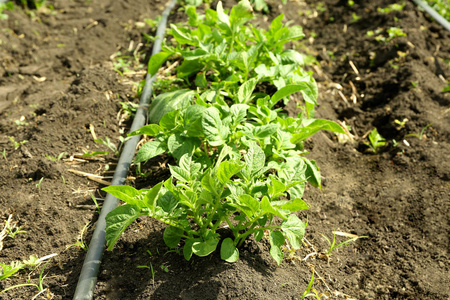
{"type": "Point", "coordinates": [436, 16]}
{"type": "Point", "coordinates": [88, 276]}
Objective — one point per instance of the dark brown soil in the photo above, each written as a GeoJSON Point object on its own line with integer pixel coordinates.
{"type": "Point", "coordinates": [57, 81]}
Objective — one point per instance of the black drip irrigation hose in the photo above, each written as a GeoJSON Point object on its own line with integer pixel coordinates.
{"type": "Point", "coordinates": [88, 276]}
{"type": "Point", "coordinates": [440, 19]}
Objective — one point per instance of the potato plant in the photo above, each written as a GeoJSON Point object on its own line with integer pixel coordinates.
{"type": "Point", "coordinates": [239, 157]}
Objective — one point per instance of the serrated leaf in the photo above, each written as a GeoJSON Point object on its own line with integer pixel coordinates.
{"type": "Point", "coordinates": [172, 236]}
{"type": "Point", "coordinates": [228, 251]}
{"type": "Point", "coordinates": [150, 150]}
{"type": "Point", "coordinates": [294, 229]}
{"type": "Point", "coordinates": [118, 220]}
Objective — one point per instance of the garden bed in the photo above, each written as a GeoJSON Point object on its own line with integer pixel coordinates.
{"type": "Point", "coordinates": [57, 83]}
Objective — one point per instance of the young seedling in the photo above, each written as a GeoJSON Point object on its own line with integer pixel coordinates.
{"type": "Point", "coordinates": [80, 243]}
{"type": "Point", "coordinates": [58, 158]}
{"type": "Point", "coordinates": [333, 244]}
{"type": "Point", "coordinates": [420, 135]}
{"type": "Point", "coordinates": [96, 203]}
{"type": "Point", "coordinates": [38, 185]}
{"type": "Point", "coordinates": [39, 285]}
{"type": "Point", "coordinates": [150, 268]}
{"type": "Point", "coordinates": [376, 141]}
{"type": "Point", "coordinates": [15, 143]}
{"type": "Point", "coordinates": [4, 154]}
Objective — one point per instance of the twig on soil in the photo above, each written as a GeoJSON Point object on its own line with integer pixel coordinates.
{"type": "Point", "coordinates": [354, 69]}
{"type": "Point", "coordinates": [92, 177]}
{"type": "Point", "coordinates": [343, 96]}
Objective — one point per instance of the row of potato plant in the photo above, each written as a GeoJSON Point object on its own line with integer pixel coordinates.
{"type": "Point", "coordinates": [239, 157]}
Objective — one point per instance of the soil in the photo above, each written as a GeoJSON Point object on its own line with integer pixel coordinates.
{"type": "Point", "coordinates": [58, 86]}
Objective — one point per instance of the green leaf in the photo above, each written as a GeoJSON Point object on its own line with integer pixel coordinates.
{"type": "Point", "coordinates": [189, 67]}
{"type": "Point", "coordinates": [294, 88]}
{"type": "Point", "coordinates": [192, 167]}
{"type": "Point", "coordinates": [240, 14]}
{"type": "Point", "coordinates": [251, 203]}
{"type": "Point", "coordinates": [118, 220]}
{"type": "Point", "coordinates": [259, 235]}
{"type": "Point", "coordinates": [168, 102]}
{"type": "Point", "coordinates": [215, 132]}
{"type": "Point", "coordinates": [295, 205]}
{"type": "Point", "coordinates": [167, 202]}
{"type": "Point", "coordinates": [179, 145]}
{"type": "Point", "coordinates": [313, 127]}
{"type": "Point", "coordinates": [193, 120]}
{"type": "Point", "coordinates": [150, 150]}
{"type": "Point", "coordinates": [263, 131]}
{"type": "Point", "coordinates": [255, 160]}
{"type": "Point", "coordinates": [294, 229]}
{"type": "Point", "coordinates": [156, 62]}
{"type": "Point", "coordinates": [123, 192]}
{"type": "Point", "coordinates": [180, 174]}
{"type": "Point", "coordinates": [151, 196]}
{"type": "Point", "coordinates": [267, 208]}
{"type": "Point", "coordinates": [207, 246]}
{"type": "Point", "coordinates": [227, 169]}
{"type": "Point", "coordinates": [312, 172]}
{"type": "Point", "coordinates": [209, 183]}
{"type": "Point", "coordinates": [446, 89]}
{"type": "Point", "coordinates": [150, 130]}
{"type": "Point", "coordinates": [276, 239]}
{"type": "Point", "coordinates": [221, 16]}
{"type": "Point", "coordinates": [188, 248]}
{"type": "Point", "coordinates": [181, 37]}
{"type": "Point", "coordinates": [239, 113]}
{"type": "Point", "coordinates": [172, 236]}
{"type": "Point", "coordinates": [170, 120]}
{"type": "Point", "coordinates": [246, 90]}
{"type": "Point", "coordinates": [228, 251]}
{"type": "Point", "coordinates": [276, 188]}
